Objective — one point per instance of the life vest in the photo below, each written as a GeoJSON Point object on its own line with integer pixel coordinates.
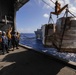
{"type": "Point", "coordinates": [9, 35]}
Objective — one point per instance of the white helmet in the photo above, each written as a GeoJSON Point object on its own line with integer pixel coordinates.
{"type": "Point", "coordinates": [0, 31]}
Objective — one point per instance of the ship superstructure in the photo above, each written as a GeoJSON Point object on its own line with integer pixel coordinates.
{"type": "Point", "coordinates": [38, 34]}
{"type": "Point", "coordinates": [8, 9]}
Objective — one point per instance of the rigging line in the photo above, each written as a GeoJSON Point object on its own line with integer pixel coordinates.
{"type": "Point", "coordinates": [71, 13]}
{"type": "Point", "coordinates": [64, 1]}
{"type": "Point", "coordinates": [50, 18]}
{"type": "Point", "coordinates": [56, 0]}
{"type": "Point", "coordinates": [52, 1]}
{"type": "Point", "coordinates": [64, 27]}
{"type": "Point", "coordinates": [48, 4]}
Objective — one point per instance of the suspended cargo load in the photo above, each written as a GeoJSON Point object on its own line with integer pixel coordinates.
{"type": "Point", "coordinates": [65, 35]}
{"type": "Point", "coordinates": [47, 34]}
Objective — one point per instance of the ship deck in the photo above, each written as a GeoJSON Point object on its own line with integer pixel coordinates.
{"type": "Point", "coordinates": [25, 61]}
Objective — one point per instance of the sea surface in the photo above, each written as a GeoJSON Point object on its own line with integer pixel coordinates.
{"type": "Point", "coordinates": [29, 39]}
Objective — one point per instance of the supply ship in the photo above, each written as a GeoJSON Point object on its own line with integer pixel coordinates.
{"type": "Point", "coordinates": [38, 34]}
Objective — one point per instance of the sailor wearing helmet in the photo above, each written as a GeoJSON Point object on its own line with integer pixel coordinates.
{"type": "Point", "coordinates": [0, 39]}
{"type": "Point", "coordinates": [4, 43]}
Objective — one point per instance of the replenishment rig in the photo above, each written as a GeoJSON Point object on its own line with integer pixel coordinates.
{"type": "Point", "coordinates": [63, 35]}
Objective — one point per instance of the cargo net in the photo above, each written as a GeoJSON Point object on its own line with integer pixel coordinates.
{"type": "Point", "coordinates": [48, 32]}
{"type": "Point", "coordinates": [64, 40]}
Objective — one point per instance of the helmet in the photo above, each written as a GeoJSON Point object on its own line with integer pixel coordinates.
{"type": "Point", "coordinates": [0, 31]}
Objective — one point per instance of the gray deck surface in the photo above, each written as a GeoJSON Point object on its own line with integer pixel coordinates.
{"type": "Point", "coordinates": [27, 62]}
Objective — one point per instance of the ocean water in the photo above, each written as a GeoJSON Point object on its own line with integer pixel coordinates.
{"type": "Point", "coordinates": [29, 39]}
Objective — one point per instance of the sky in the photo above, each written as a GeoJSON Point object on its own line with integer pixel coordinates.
{"type": "Point", "coordinates": [35, 13]}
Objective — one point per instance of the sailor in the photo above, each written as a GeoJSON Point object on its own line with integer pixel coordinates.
{"type": "Point", "coordinates": [9, 37]}
{"type": "Point", "coordinates": [14, 40]}
{"type": "Point", "coordinates": [17, 39]}
{"type": "Point", "coordinates": [4, 43]}
{"type": "Point", "coordinates": [0, 39]}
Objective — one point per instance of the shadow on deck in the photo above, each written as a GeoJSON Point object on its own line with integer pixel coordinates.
{"type": "Point", "coordinates": [28, 62]}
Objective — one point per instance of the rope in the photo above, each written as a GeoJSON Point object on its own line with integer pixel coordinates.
{"type": "Point", "coordinates": [66, 13]}
{"type": "Point", "coordinates": [71, 13]}
{"type": "Point", "coordinates": [50, 18]}
{"type": "Point", "coordinates": [63, 29]}
{"type": "Point", "coordinates": [48, 4]}
{"type": "Point", "coordinates": [52, 1]}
